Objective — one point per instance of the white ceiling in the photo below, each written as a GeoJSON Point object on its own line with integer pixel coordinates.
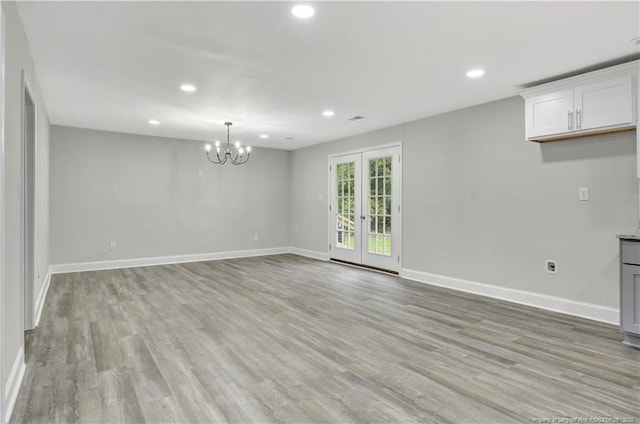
{"type": "Point", "coordinates": [115, 65]}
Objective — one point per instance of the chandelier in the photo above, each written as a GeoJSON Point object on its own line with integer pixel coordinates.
{"type": "Point", "coordinates": [222, 156]}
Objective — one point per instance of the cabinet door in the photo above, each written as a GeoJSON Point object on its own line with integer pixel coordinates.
{"type": "Point", "coordinates": [630, 299]}
{"type": "Point", "coordinates": [549, 114]}
{"type": "Point", "coordinates": [604, 104]}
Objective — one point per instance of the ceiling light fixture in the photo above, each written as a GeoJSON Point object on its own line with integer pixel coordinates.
{"type": "Point", "coordinates": [328, 113]}
{"type": "Point", "coordinates": [236, 158]}
{"type": "Point", "coordinates": [264, 136]}
{"type": "Point", "coordinates": [303, 11]}
{"type": "Point", "coordinates": [188, 88]}
{"type": "Point", "coordinates": [154, 122]}
{"type": "Point", "coordinates": [475, 73]}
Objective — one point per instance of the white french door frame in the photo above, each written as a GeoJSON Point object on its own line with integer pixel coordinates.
{"type": "Point", "coordinates": [397, 203]}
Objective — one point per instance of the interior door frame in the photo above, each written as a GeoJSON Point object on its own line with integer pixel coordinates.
{"type": "Point", "coordinates": [399, 195]}
{"type": "Point", "coordinates": [28, 288]}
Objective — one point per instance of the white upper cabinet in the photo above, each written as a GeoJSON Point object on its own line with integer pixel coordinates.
{"type": "Point", "coordinates": [596, 102]}
{"type": "Point", "coordinates": [604, 104]}
{"type": "Point", "coordinates": [549, 114]}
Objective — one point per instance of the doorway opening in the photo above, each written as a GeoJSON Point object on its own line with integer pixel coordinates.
{"type": "Point", "coordinates": [365, 225]}
{"type": "Point", "coordinates": [27, 195]}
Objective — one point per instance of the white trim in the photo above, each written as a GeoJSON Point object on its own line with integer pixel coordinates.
{"type": "Point", "coordinates": [313, 254]}
{"type": "Point", "coordinates": [2, 220]}
{"type": "Point", "coordinates": [41, 297]}
{"type": "Point", "coordinates": [367, 149]}
{"type": "Point", "coordinates": [543, 301]}
{"type": "Point", "coordinates": [629, 68]}
{"type": "Point", "coordinates": [164, 260]}
{"type": "Point", "coordinates": [13, 384]}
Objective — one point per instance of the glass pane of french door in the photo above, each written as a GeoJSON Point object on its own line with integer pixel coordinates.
{"type": "Point", "coordinates": [379, 201]}
{"type": "Point", "coordinates": [346, 202]}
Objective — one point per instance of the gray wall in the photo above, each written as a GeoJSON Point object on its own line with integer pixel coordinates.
{"type": "Point", "coordinates": [145, 194]}
{"type": "Point", "coordinates": [482, 204]}
{"type": "Point", "coordinates": [18, 58]}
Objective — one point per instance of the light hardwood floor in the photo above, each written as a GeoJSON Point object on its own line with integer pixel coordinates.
{"type": "Point", "coordinates": [288, 339]}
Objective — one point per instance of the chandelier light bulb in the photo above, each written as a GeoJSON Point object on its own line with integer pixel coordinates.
{"type": "Point", "coordinates": [208, 148]}
{"type": "Point", "coordinates": [248, 149]}
{"type": "Point", "coordinates": [237, 144]}
{"type": "Point", "coordinates": [217, 149]}
{"type": "Point", "coordinates": [241, 151]}
{"type": "Point", "coordinates": [217, 143]}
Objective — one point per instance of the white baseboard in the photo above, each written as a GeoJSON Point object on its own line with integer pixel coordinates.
{"type": "Point", "coordinates": [543, 301]}
{"type": "Point", "coordinates": [313, 254]}
{"type": "Point", "coordinates": [164, 260]}
{"type": "Point", "coordinates": [41, 297]}
{"type": "Point", "coordinates": [14, 382]}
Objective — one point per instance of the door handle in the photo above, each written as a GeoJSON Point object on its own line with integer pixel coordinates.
{"type": "Point", "coordinates": [578, 119]}
{"type": "Point", "coordinates": [363, 217]}
{"type": "Point", "coordinates": [569, 120]}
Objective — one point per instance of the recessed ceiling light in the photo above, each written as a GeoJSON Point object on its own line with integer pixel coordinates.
{"type": "Point", "coordinates": [154, 122]}
{"type": "Point", "coordinates": [264, 136]}
{"type": "Point", "coordinates": [188, 88]}
{"type": "Point", "coordinates": [475, 73]}
{"type": "Point", "coordinates": [303, 11]}
{"type": "Point", "coordinates": [328, 113]}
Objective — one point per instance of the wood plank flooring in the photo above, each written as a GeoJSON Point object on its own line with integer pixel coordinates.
{"type": "Point", "coordinates": [288, 339]}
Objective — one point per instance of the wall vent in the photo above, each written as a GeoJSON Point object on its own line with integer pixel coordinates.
{"type": "Point", "coordinates": [355, 118]}
{"type": "Point", "coordinates": [635, 41]}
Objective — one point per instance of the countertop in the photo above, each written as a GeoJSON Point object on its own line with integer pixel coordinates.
{"type": "Point", "coordinates": [631, 235]}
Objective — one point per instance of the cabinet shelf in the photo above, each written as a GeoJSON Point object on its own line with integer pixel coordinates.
{"type": "Point", "coordinates": [554, 139]}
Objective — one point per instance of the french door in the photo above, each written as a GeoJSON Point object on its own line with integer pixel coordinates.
{"type": "Point", "coordinates": [365, 225]}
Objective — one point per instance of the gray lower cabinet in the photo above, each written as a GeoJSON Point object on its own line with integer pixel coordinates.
{"type": "Point", "coordinates": [630, 292]}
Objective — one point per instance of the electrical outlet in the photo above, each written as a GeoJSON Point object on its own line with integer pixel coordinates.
{"type": "Point", "coordinates": [583, 194]}
{"type": "Point", "coordinates": [200, 173]}
{"type": "Point", "coordinates": [256, 236]}
{"type": "Point", "coordinates": [112, 245]}
{"type": "Point", "coordinates": [551, 266]}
